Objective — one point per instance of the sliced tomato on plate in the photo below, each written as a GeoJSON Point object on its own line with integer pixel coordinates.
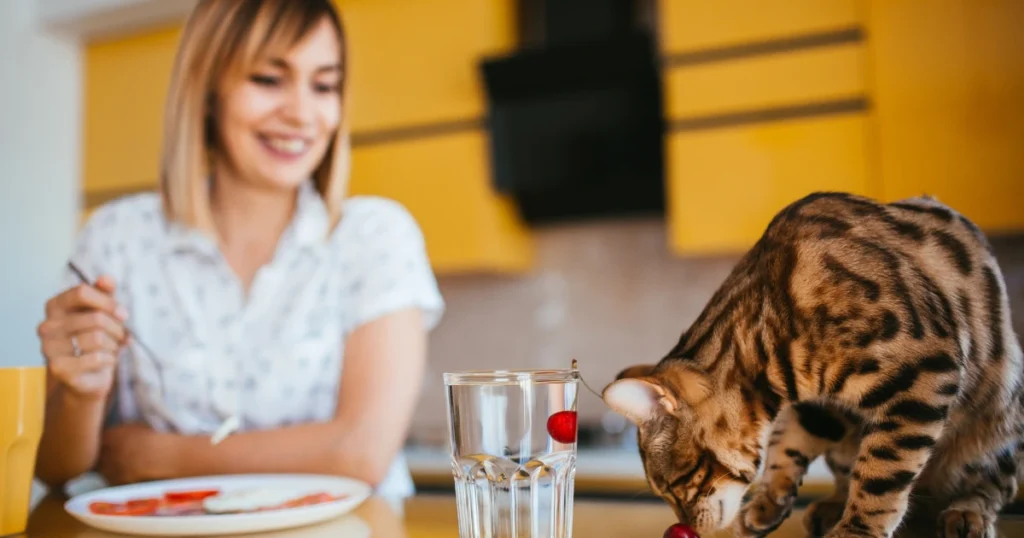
{"type": "Point", "coordinates": [190, 502]}
{"type": "Point", "coordinates": [190, 495]}
{"type": "Point", "coordinates": [311, 499]}
{"type": "Point", "coordinates": [140, 507]}
{"type": "Point", "coordinates": [134, 507]}
{"type": "Point", "coordinates": [104, 508]}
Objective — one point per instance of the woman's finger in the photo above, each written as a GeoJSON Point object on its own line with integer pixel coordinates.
{"type": "Point", "coordinates": [69, 368]}
{"type": "Point", "coordinates": [86, 322]}
{"type": "Point", "coordinates": [55, 340]}
{"type": "Point", "coordinates": [94, 340]}
{"type": "Point", "coordinates": [84, 297]}
{"type": "Point", "coordinates": [53, 348]}
{"type": "Point", "coordinates": [97, 360]}
{"type": "Point", "coordinates": [81, 333]}
{"type": "Point", "coordinates": [105, 284]}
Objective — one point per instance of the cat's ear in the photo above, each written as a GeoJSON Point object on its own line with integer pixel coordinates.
{"type": "Point", "coordinates": [689, 385]}
{"type": "Point", "coordinates": [639, 399]}
{"type": "Point", "coordinates": [639, 370]}
{"type": "Point", "coordinates": [640, 395]}
{"type": "Point", "coordinates": [635, 395]}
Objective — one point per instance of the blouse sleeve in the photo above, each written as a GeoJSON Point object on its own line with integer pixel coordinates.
{"type": "Point", "coordinates": [388, 265]}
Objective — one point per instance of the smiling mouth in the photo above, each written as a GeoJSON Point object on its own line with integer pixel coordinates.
{"type": "Point", "coordinates": [287, 147]}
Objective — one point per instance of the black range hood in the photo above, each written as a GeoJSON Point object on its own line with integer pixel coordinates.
{"type": "Point", "coordinates": [576, 122]}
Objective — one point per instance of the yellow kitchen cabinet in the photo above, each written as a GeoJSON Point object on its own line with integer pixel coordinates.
{"type": "Point", "coordinates": [405, 90]}
{"type": "Point", "coordinates": [948, 99]}
{"type": "Point", "coordinates": [751, 133]}
{"type": "Point", "coordinates": [695, 25]}
{"type": "Point", "coordinates": [415, 62]}
{"type": "Point", "coordinates": [417, 103]}
{"type": "Point", "coordinates": [124, 87]}
{"type": "Point", "coordinates": [442, 180]}
{"type": "Point", "coordinates": [765, 82]}
{"type": "Point", "coordinates": [726, 184]}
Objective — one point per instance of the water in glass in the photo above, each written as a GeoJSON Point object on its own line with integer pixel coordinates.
{"type": "Point", "coordinates": [513, 442]}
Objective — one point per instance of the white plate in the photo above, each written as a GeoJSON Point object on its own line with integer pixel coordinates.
{"type": "Point", "coordinates": [207, 525]}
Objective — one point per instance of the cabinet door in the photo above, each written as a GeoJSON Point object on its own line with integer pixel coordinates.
{"type": "Point", "coordinates": [949, 102]}
{"type": "Point", "coordinates": [443, 182]}
{"type": "Point", "coordinates": [695, 25]}
{"type": "Point", "coordinates": [778, 115]}
{"type": "Point", "coordinates": [765, 84]}
{"type": "Point", "coordinates": [415, 62]}
{"type": "Point", "coordinates": [726, 184]}
{"type": "Point", "coordinates": [418, 104]}
{"type": "Point", "coordinates": [124, 88]}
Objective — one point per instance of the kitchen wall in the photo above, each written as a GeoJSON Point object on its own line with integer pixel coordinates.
{"type": "Point", "coordinates": [606, 293]}
{"type": "Point", "coordinates": [39, 141]}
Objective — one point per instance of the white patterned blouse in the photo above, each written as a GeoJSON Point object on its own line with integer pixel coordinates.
{"type": "Point", "coordinates": [272, 358]}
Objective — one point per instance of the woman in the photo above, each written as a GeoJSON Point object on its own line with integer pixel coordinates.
{"type": "Point", "coordinates": [250, 278]}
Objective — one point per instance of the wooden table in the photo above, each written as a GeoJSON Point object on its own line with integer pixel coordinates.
{"type": "Point", "coordinates": [433, 516]}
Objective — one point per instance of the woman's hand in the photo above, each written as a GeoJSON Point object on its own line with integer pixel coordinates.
{"type": "Point", "coordinates": [81, 337]}
{"type": "Point", "coordinates": [133, 453]}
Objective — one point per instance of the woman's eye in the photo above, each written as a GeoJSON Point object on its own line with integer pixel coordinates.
{"type": "Point", "coordinates": [325, 88]}
{"type": "Point", "coordinates": [265, 80]}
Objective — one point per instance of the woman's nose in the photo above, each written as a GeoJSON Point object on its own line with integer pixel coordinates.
{"type": "Point", "coordinates": [299, 107]}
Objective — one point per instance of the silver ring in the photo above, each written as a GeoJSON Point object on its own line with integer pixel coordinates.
{"type": "Point", "coordinates": [74, 345]}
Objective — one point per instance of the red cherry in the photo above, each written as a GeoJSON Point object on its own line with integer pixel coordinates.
{"type": "Point", "coordinates": [680, 531]}
{"type": "Point", "coordinates": [562, 426]}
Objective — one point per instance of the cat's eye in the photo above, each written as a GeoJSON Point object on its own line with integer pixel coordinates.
{"type": "Point", "coordinates": [685, 476]}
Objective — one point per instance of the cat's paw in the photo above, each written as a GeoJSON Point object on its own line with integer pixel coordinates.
{"type": "Point", "coordinates": [855, 527]}
{"type": "Point", "coordinates": [765, 511]}
{"type": "Point", "coordinates": [822, 515]}
{"type": "Point", "coordinates": [844, 531]}
{"type": "Point", "coordinates": [965, 523]}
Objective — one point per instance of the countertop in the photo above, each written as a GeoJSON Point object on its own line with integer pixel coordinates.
{"type": "Point", "coordinates": [600, 472]}
{"type": "Point", "coordinates": [434, 516]}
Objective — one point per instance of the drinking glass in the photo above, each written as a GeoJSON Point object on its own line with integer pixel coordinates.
{"type": "Point", "coordinates": [513, 445]}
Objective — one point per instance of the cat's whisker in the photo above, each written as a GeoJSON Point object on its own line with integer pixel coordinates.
{"type": "Point", "coordinates": [639, 493]}
{"type": "Point", "coordinates": [717, 480]}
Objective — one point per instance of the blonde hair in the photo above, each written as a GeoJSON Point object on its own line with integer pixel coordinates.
{"type": "Point", "coordinates": [224, 38]}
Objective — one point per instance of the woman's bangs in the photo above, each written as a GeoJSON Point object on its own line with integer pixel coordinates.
{"type": "Point", "coordinates": [277, 27]}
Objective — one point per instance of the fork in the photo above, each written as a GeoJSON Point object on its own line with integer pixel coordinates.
{"type": "Point", "coordinates": [153, 356]}
{"type": "Point", "coordinates": [229, 426]}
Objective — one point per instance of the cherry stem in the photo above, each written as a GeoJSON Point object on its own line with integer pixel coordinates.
{"type": "Point", "coordinates": [575, 367]}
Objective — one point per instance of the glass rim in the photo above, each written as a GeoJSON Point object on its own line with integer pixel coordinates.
{"type": "Point", "coordinates": [510, 376]}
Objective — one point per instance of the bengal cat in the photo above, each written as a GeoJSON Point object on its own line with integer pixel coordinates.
{"type": "Point", "coordinates": [875, 335]}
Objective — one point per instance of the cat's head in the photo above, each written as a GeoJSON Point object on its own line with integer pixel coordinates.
{"type": "Point", "coordinates": [699, 444]}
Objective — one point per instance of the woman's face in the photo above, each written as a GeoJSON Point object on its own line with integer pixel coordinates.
{"type": "Point", "coordinates": [276, 124]}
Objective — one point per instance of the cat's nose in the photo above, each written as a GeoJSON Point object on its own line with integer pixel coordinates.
{"type": "Point", "coordinates": [684, 515]}
{"type": "Point", "coordinates": [681, 514]}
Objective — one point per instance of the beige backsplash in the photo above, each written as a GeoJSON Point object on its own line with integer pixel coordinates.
{"type": "Point", "coordinates": [607, 293]}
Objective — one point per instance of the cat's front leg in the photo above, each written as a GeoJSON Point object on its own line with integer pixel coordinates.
{"type": "Point", "coordinates": [791, 449]}
{"type": "Point", "coordinates": [891, 457]}
{"type": "Point", "coordinates": [823, 514]}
